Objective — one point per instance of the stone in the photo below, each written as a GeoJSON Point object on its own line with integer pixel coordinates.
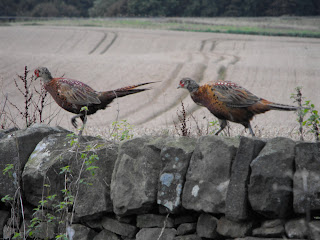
{"type": "Point", "coordinates": [106, 235]}
{"type": "Point", "coordinates": [175, 157]}
{"type": "Point", "coordinates": [94, 224]}
{"type": "Point", "coordinates": [154, 233]}
{"type": "Point", "coordinates": [206, 226]}
{"type": "Point", "coordinates": [258, 238]}
{"type": "Point", "coordinates": [185, 218]}
{"type": "Point", "coordinates": [126, 219]}
{"type": "Point", "coordinates": [296, 228]}
{"type": "Point", "coordinates": [270, 228]}
{"type": "Point", "coordinates": [80, 232]}
{"type": "Point", "coordinates": [232, 229]}
{"type": "Point", "coordinates": [119, 228]}
{"type": "Point", "coordinates": [188, 237]}
{"type": "Point", "coordinates": [186, 228]}
{"type": "Point", "coordinates": [135, 176]}
{"type": "Point", "coordinates": [4, 132]}
{"type": "Point", "coordinates": [306, 187]}
{"type": "Point", "coordinates": [8, 232]}
{"type": "Point", "coordinates": [94, 195]}
{"type": "Point", "coordinates": [45, 230]}
{"type": "Point", "coordinates": [4, 215]}
{"type": "Point", "coordinates": [314, 230]}
{"type": "Point", "coordinates": [271, 180]}
{"type": "Point", "coordinates": [237, 205]}
{"type": "Point", "coordinates": [153, 220]}
{"type": "Point", "coordinates": [91, 186]}
{"type": "Point", "coordinates": [15, 149]}
{"type": "Point", "coordinates": [208, 174]}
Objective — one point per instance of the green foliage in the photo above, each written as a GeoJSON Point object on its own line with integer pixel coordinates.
{"type": "Point", "coordinates": [122, 130]}
{"type": "Point", "coordinates": [313, 121]}
{"type": "Point", "coordinates": [16, 236]}
{"type": "Point", "coordinates": [306, 110]}
{"type": "Point", "coordinates": [6, 198]}
{"type": "Point", "coordinates": [109, 8]}
{"type": "Point", "coordinates": [214, 126]}
{"type": "Point", "coordinates": [61, 237]}
{"type": "Point", "coordinates": [167, 8]}
{"type": "Point", "coordinates": [89, 160]}
{"type": "Point", "coordinates": [8, 170]}
{"type": "Point", "coordinates": [203, 8]}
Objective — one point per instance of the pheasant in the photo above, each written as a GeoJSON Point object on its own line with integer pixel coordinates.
{"type": "Point", "coordinates": [230, 102]}
{"type": "Point", "coordinates": [73, 95]}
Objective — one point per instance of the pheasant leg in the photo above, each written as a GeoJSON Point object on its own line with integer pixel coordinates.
{"type": "Point", "coordinates": [84, 121]}
{"type": "Point", "coordinates": [250, 130]}
{"type": "Point", "coordinates": [223, 124]}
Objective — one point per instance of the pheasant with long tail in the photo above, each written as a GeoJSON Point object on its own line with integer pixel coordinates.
{"type": "Point", "coordinates": [73, 95]}
{"type": "Point", "coordinates": [230, 102]}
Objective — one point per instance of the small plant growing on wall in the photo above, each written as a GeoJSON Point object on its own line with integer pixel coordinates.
{"type": "Point", "coordinates": [306, 110]}
{"type": "Point", "coordinates": [122, 130]}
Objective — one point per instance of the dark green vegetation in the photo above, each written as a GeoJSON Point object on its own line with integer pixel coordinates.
{"type": "Point", "coordinates": [166, 8]}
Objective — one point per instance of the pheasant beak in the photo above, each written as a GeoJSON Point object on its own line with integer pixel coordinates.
{"type": "Point", "coordinates": [181, 85]}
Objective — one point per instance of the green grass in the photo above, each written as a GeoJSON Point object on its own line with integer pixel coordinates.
{"type": "Point", "coordinates": [173, 24]}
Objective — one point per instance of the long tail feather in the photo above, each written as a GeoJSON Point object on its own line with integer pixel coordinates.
{"type": "Point", "coordinates": [283, 107]}
{"type": "Point", "coordinates": [124, 92]}
{"type": "Point", "coordinates": [132, 87]}
{"type": "Point", "coordinates": [108, 96]}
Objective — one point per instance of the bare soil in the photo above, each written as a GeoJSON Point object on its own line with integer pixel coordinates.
{"type": "Point", "coordinates": [106, 58]}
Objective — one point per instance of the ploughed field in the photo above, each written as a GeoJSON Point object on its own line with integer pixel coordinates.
{"type": "Point", "coordinates": [109, 58]}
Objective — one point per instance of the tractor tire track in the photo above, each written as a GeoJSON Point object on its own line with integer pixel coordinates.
{"type": "Point", "coordinates": [159, 93]}
{"type": "Point", "coordinates": [99, 43]}
{"type": "Point", "coordinates": [110, 44]}
{"type": "Point", "coordinates": [199, 75]}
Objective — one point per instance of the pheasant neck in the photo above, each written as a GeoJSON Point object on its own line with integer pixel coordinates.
{"type": "Point", "coordinates": [193, 88]}
{"type": "Point", "coordinates": [46, 79]}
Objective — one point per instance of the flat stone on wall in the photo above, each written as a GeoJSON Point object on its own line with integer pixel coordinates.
{"type": "Point", "coordinates": [237, 206]}
{"type": "Point", "coordinates": [208, 175]}
{"type": "Point", "coordinates": [306, 190]}
{"type": "Point", "coordinates": [175, 156]}
{"type": "Point", "coordinates": [135, 177]}
{"type": "Point", "coordinates": [271, 180]}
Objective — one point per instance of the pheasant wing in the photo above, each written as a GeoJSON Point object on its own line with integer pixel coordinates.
{"type": "Point", "coordinates": [234, 95]}
{"type": "Point", "coordinates": [78, 93]}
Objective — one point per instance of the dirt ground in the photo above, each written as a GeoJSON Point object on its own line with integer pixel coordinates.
{"type": "Point", "coordinates": [105, 59]}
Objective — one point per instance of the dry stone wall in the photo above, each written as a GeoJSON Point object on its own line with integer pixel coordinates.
{"type": "Point", "coordinates": [152, 188]}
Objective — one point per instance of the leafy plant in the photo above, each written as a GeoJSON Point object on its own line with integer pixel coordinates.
{"type": "Point", "coordinates": [6, 198]}
{"type": "Point", "coordinates": [8, 170]}
{"type": "Point", "coordinates": [313, 122]}
{"type": "Point", "coordinates": [122, 130]}
{"type": "Point", "coordinates": [306, 110]}
{"type": "Point", "coordinates": [214, 126]}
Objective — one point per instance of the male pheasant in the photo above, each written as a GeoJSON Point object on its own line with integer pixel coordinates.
{"type": "Point", "coordinates": [72, 95]}
{"type": "Point", "coordinates": [230, 102]}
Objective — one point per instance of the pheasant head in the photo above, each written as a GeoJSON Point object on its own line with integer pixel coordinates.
{"type": "Point", "coordinates": [43, 73]}
{"type": "Point", "coordinates": [188, 84]}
